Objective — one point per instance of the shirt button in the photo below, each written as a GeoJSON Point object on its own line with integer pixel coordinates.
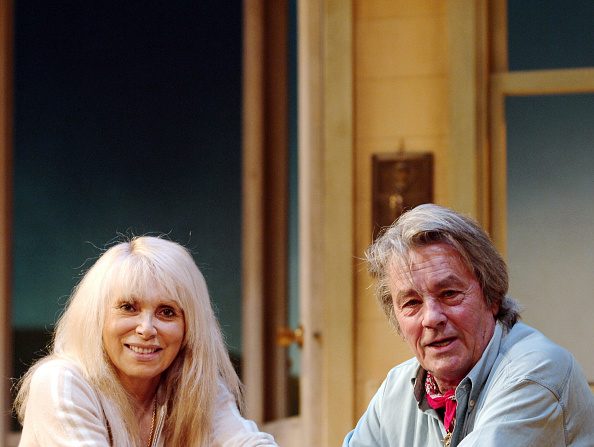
{"type": "Point", "coordinates": [471, 403]}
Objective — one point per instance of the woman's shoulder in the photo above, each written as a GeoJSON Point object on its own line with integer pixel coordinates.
{"type": "Point", "coordinates": [55, 375]}
{"type": "Point", "coordinates": [62, 407]}
{"type": "Point", "coordinates": [52, 368]}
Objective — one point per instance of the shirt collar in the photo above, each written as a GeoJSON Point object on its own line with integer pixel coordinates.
{"type": "Point", "coordinates": [479, 374]}
{"type": "Point", "coordinates": [418, 383]}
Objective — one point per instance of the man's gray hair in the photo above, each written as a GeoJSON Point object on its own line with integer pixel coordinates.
{"type": "Point", "coordinates": [430, 224]}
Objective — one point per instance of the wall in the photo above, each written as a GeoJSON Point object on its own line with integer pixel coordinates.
{"type": "Point", "coordinates": [401, 97]}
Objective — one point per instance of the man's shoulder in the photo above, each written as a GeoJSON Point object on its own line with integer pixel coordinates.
{"type": "Point", "coordinates": [408, 367]}
{"type": "Point", "coordinates": [400, 377]}
{"type": "Point", "coordinates": [524, 341]}
{"type": "Point", "coordinates": [528, 354]}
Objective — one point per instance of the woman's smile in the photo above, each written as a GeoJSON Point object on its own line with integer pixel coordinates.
{"type": "Point", "coordinates": [143, 350]}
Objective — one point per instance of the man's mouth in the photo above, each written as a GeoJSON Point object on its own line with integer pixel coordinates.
{"type": "Point", "coordinates": [441, 343]}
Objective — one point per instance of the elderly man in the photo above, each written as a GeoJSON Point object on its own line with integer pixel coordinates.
{"type": "Point", "coordinates": [479, 377]}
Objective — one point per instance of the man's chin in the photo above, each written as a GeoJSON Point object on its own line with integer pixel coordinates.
{"type": "Point", "coordinates": [446, 372]}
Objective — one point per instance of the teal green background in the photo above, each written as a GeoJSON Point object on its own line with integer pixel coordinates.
{"type": "Point", "coordinates": [127, 121]}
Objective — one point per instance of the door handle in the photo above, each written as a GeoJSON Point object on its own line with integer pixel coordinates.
{"type": "Point", "coordinates": [285, 336]}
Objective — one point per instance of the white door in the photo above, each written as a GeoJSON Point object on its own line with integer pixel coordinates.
{"type": "Point", "coordinates": [324, 257]}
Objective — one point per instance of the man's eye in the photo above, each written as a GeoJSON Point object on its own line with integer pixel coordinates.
{"type": "Point", "coordinates": [449, 293]}
{"type": "Point", "coordinates": [411, 303]}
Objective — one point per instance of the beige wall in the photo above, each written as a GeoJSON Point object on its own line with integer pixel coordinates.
{"type": "Point", "coordinates": [401, 95]}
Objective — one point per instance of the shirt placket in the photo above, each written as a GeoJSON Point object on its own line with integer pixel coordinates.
{"type": "Point", "coordinates": [462, 393]}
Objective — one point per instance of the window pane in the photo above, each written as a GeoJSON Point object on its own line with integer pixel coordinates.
{"type": "Point", "coordinates": [546, 34]}
{"type": "Point", "coordinates": [551, 216]}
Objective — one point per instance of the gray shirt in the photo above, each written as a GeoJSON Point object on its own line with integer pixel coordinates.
{"type": "Point", "coordinates": [524, 391]}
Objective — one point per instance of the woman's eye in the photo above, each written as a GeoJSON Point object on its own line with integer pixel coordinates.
{"type": "Point", "coordinates": [168, 312]}
{"type": "Point", "coordinates": [127, 307]}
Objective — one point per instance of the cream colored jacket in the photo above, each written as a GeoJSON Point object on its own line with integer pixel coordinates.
{"type": "Point", "coordinates": [64, 410]}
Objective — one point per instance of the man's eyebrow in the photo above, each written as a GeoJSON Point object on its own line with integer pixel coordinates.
{"type": "Point", "coordinates": [449, 281]}
{"type": "Point", "coordinates": [407, 293]}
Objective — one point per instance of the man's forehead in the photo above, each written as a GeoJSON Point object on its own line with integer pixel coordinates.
{"type": "Point", "coordinates": [439, 262]}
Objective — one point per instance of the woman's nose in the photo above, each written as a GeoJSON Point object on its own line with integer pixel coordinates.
{"type": "Point", "coordinates": [145, 327]}
{"type": "Point", "coordinates": [433, 314]}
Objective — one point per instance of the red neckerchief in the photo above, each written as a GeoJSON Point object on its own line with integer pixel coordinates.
{"type": "Point", "coordinates": [436, 400]}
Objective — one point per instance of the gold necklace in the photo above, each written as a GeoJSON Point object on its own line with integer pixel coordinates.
{"type": "Point", "coordinates": [152, 432]}
{"type": "Point", "coordinates": [448, 439]}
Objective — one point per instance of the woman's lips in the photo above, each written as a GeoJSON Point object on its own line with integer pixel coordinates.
{"type": "Point", "coordinates": [143, 350]}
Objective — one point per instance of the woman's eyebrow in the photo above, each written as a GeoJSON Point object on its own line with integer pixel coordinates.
{"type": "Point", "coordinates": [170, 302]}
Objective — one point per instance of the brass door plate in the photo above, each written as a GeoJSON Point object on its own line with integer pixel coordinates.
{"type": "Point", "coordinates": [401, 181]}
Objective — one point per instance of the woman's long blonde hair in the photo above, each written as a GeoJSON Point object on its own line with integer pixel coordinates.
{"type": "Point", "coordinates": [192, 381]}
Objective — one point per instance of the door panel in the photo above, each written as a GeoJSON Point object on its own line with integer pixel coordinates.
{"type": "Point", "coordinates": [324, 218]}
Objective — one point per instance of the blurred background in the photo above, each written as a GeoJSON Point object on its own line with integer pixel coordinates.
{"type": "Point", "coordinates": [127, 121]}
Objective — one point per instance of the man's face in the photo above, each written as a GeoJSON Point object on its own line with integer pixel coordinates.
{"type": "Point", "coordinates": [442, 313]}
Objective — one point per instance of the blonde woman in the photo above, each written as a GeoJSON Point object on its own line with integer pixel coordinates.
{"type": "Point", "coordinates": [138, 359]}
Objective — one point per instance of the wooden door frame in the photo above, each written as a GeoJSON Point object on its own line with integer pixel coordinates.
{"type": "Point", "coordinates": [265, 143]}
{"type": "Point", "coordinates": [327, 258]}
{"type": "Point", "coordinates": [325, 134]}
{"type": "Point", "coordinates": [468, 155]}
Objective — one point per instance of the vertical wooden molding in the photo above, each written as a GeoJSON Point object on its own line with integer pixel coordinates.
{"type": "Point", "coordinates": [311, 196]}
{"type": "Point", "coordinates": [276, 162]}
{"type": "Point", "coordinates": [252, 208]}
{"type": "Point", "coordinates": [483, 147]}
{"type": "Point", "coordinates": [499, 65]}
{"type": "Point", "coordinates": [468, 33]}
{"type": "Point", "coordinates": [265, 198]}
{"type": "Point", "coordinates": [6, 133]}
{"type": "Point", "coordinates": [498, 36]}
{"type": "Point", "coordinates": [462, 158]}
{"type": "Point", "coordinates": [326, 218]}
{"type": "Point", "coordinates": [338, 224]}
{"type": "Point", "coordinates": [498, 167]}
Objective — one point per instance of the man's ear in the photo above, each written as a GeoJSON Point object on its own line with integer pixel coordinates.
{"type": "Point", "coordinates": [495, 309]}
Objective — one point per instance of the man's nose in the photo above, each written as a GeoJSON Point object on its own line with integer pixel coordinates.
{"type": "Point", "coordinates": [433, 314]}
{"type": "Point", "coordinates": [145, 327]}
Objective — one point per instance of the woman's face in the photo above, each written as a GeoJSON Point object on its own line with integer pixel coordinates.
{"type": "Point", "coordinates": [142, 335]}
